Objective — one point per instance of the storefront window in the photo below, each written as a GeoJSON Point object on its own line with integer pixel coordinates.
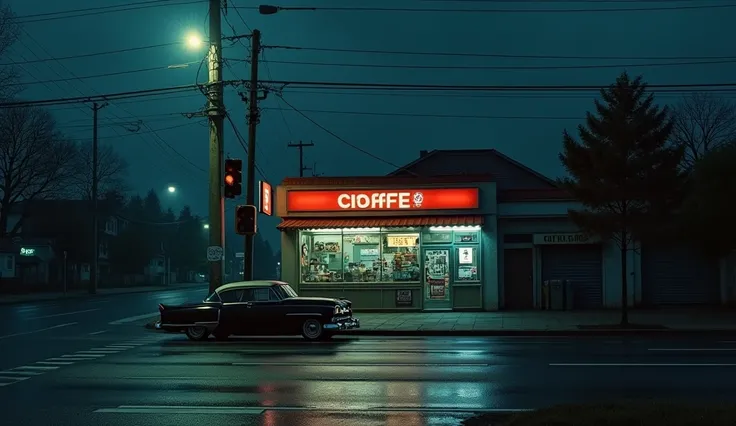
{"type": "Point", "coordinates": [359, 255]}
{"type": "Point", "coordinates": [467, 264]}
{"type": "Point", "coordinates": [320, 256]}
{"type": "Point", "coordinates": [400, 257]}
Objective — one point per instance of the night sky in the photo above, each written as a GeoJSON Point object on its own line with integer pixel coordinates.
{"type": "Point", "coordinates": [527, 127]}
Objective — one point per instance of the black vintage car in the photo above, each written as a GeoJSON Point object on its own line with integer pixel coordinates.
{"type": "Point", "coordinates": [251, 308]}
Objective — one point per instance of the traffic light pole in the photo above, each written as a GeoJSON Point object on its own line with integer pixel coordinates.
{"type": "Point", "coordinates": [251, 167]}
{"type": "Point", "coordinates": [215, 110]}
{"type": "Point", "coordinates": [95, 220]}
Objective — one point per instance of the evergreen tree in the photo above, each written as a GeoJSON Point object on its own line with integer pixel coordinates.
{"type": "Point", "coordinates": [623, 170]}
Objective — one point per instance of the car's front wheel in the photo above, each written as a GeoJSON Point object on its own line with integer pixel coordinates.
{"type": "Point", "coordinates": [312, 329]}
{"type": "Point", "coordinates": [197, 333]}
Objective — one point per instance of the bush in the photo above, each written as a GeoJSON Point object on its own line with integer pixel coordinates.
{"type": "Point", "coordinates": [628, 414]}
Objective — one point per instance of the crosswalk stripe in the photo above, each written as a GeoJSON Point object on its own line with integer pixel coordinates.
{"type": "Point", "coordinates": [15, 379]}
{"type": "Point", "coordinates": [20, 373]}
{"type": "Point", "coordinates": [55, 362]}
{"type": "Point", "coordinates": [35, 367]}
{"type": "Point", "coordinates": [69, 359]}
{"type": "Point", "coordinates": [88, 356]}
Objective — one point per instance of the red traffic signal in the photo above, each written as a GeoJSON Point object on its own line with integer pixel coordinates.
{"type": "Point", "coordinates": [233, 177]}
{"type": "Point", "coordinates": [245, 220]}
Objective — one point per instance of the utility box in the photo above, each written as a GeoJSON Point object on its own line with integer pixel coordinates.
{"type": "Point", "coordinates": [556, 295]}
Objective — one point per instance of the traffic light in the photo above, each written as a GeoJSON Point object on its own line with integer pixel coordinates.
{"type": "Point", "coordinates": [233, 177]}
{"type": "Point", "coordinates": [245, 220]}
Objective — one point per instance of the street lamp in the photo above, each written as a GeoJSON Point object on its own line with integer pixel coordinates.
{"type": "Point", "coordinates": [172, 189]}
{"type": "Point", "coordinates": [194, 41]}
{"type": "Point", "coordinates": [206, 226]}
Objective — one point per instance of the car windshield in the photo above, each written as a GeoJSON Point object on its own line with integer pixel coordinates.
{"type": "Point", "coordinates": [212, 297]}
{"type": "Point", "coordinates": [287, 291]}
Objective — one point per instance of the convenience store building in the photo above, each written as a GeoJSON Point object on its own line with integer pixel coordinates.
{"type": "Point", "coordinates": [451, 239]}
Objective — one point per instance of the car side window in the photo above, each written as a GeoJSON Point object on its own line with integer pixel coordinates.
{"type": "Point", "coordinates": [262, 295]}
{"type": "Point", "coordinates": [231, 296]}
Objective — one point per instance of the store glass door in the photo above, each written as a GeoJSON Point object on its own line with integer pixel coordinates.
{"type": "Point", "coordinates": [436, 278]}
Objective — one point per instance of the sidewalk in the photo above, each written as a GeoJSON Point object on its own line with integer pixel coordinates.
{"type": "Point", "coordinates": [690, 321]}
{"type": "Point", "coordinates": [9, 299]}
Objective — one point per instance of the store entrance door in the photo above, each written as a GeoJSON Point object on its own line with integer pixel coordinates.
{"type": "Point", "coordinates": [436, 278]}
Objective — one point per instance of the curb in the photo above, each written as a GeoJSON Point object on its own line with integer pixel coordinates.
{"type": "Point", "coordinates": [541, 333]}
{"type": "Point", "coordinates": [92, 296]}
{"type": "Point", "coordinates": [524, 333]}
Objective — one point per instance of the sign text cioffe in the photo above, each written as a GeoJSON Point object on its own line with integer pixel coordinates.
{"type": "Point", "coordinates": [389, 199]}
{"type": "Point", "coordinates": [564, 238]}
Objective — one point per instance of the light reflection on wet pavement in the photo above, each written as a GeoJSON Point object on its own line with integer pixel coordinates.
{"type": "Point", "coordinates": [367, 381]}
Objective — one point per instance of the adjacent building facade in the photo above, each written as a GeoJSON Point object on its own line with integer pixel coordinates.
{"type": "Point", "coordinates": [470, 230]}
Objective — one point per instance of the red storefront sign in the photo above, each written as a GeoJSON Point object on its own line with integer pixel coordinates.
{"type": "Point", "coordinates": [382, 200]}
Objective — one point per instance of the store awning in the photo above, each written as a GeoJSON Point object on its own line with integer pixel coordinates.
{"type": "Point", "coordinates": [381, 222]}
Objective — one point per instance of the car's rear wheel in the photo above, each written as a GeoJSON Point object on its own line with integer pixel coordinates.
{"type": "Point", "coordinates": [197, 333]}
{"type": "Point", "coordinates": [312, 329]}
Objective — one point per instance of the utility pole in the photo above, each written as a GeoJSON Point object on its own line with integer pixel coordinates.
{"type": "Point", "coordinates": [95, 225]}
{"type": "Point", "coordinates": [253, 118]}
{"type": "Point", "coordinates": [215, 112]}
{"type": "Point", "coordinates": [301, 145]}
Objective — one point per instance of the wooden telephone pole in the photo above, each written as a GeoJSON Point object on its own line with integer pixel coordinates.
{"type": "Point", "coordinates": [301, 145]}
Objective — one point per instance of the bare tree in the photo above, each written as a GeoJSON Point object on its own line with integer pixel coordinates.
{"type": "Point", "coordinates": [36, 161]}
{"type": "Point", "coordinates": [703, 122]}
{"type": "Point", "coordinates": [112, 172]}
{"type": "Point", "coordinates": [9, 32]}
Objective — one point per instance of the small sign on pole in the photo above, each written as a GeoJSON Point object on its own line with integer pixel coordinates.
{"type": "Point", "coordinates": [239, 254]}
{"type": "Point", "coordinates": [214, 253]}
{"type": "Point", "coordinates": [266, 191]}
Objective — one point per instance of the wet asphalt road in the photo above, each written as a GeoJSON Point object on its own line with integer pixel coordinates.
{"type": "Point", "coordinates": [94, 372]}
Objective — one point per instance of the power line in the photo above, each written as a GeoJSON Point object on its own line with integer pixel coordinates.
{"type": "Point", "coordinates": [101, 97]}
{"type": "Point", "coordinates": [493, 95]}
{"type": "Point", "coordinates": [242, 142]}
{"type": "Point", "coordinates": [493, 55]}
{"type": "Point", "coordinates": [503, 68]}
{"type": "Point", "coordinates": [498, 11]}
{"type": "Point", "coordinates": [109, 74]}
{"type": "Point", "coordinates": [456, 87]}
{"type": "Point", "coordinates": [95, 54]}
{"type": "Point", "coordinates": [334, 135]}
{"type": "Point", "coordinates": [100, 10]}
{"type": "Point", "coordinates": [407, 114]}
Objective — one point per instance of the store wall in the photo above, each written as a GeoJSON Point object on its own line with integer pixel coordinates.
{"type": "Point", "coordinates": [290, 259]}
{"type": "Point", "coordinates": [528, 224]}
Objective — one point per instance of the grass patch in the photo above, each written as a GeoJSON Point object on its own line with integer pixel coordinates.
{"type": "Point", "coordinates": [624, 414]}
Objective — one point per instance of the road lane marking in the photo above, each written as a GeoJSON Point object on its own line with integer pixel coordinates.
{"type": "Point", "coordinates": [693, 350]}
{"type": "Point", "coordinates": [120, 347]}
{"type": "Point", "coordinates": [55, 362]}
{"type": "Point", "coordinates": [357, 364]}
{"type": "Point", "coordinates": [17, 379]}
{"type": "Point", "coordinates": [133, 319]}
{"type": "Point", "coordinates": [633, 364]}
{"type": "Point", "coordinates": [185, 409]}
{"type": "Point", "coordinates": [96, 352]}
{"type": "Point", "coordinates": [65, 314]}
{"type": "Point", "coordinates": [35, 367]}
{"type": "Point", "coordinates": [7, 336]}
{"type": "Point", "coordinates": [90, 356]}
{"type": "Point", "coordinates": [69, 359]}
{"type": "Point", "coordinates": [97, 332]}
{"type": "Point", "coordinates": [24, 373]}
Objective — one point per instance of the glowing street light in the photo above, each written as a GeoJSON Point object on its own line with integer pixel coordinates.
{"type": "Point", "coordinates": [172, 189]}
{"type": "Point", "coordinates": [206, 226]}
{"type": "Point", "coordinates": [194, 41]}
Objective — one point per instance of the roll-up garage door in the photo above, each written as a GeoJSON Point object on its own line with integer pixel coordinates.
{"type": "Point", "coordinates": [582, 265]}
{"type": "Point", "coordinates": [679, 276]}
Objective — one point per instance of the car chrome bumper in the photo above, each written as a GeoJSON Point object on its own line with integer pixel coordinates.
{"type": "Point", "coordinates": [346, 324]}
